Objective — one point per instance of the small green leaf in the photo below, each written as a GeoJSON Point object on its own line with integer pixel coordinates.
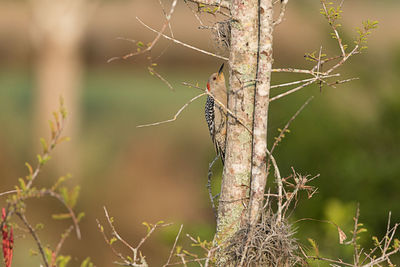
{"type": "Point", "coordinates": [314, 245]}
{"type": "Point", "coordinates": [80, 216]}
{"type": "Point", "coordinates": [62, 261]}
{"type": "Point", "coordinates": [112, 240]}
{"type": "Point", "coordinates": [61, 216]}
{"type": "Point", "coordinates": [29, 168]}
{"type": "Point", "coordinates": [147, 225]}
{"type": "Point", "coordinates": [39, 226]}
{"type": "Point", "coordinates": [87, 263]}
{"type": "Point", "coordinates": [45, 147]}
{"type": "Point", "coordinates": [22, 184]}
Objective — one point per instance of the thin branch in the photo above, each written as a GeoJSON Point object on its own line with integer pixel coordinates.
{"type": "Point", "coordinates": [115, 233]}
{"type": "Point", "coordinates": [70, 211]}
{"type": "Point", "coordinates": [54, 140]}
{"type": "Point", "coordinates": [8, 192]}
{"type": "Point", "coordinates": [281, 13]}
{"type": "Point", "coordinates": [176, 115]}
{"type": "Point", "coordinates": [109, 243]}
{"type": "Point", "coordinates": [224, 108]}
{"type": "Point", "coordinates": [153, 71]}
{"type": "Point", "coordinates": [209, 176]}
{"type": "Point", "coordinates": [281, 134]}
{"type": "Point", "coordinates": [280, 186]}
{"type": "Point", "coordinates": [61, 242]}
{"type": "Point", "coordinates": [168, 18]}
{"type": "Point", "coordinates": [219, 3]}
{"type": "Point", "coordinates": [332, 23]}
{"type": "Point", "coordinates": [293, 90]}
{"type": "Point", "coordinates": [35, 236]}
{"type": "Point", "coordinates": [354, 239]}
{"type": "Point", "coordinates": [343, 81]}
{"type": "Point", "coordinates": [182, 43]}
{"type": "Point", "coordinates": [173, 247]}
{"type": "Point", "coordinates": [292, 70]}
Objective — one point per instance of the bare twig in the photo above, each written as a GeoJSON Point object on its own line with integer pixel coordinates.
{"type": "Point", "coordinates": [173, 247]}
{"type": "Point", "coordinates": [281, 134]}
{"type": "Point", "coordinates": [61, 242]}
{"type": "Point", "coordinates": [209, 188]}
{"type": "Point", "coordinates": [153, 71]}
{"type": "Point", "coordinates": [292, 70]}
{"type": "Point", "coordinates": [219, 3]}
{"type": "Point", "coordinates": [8, 192]}
{"type": "Point", "coordinates": [293, 90]}
{"type": "Point", "coordinates": [175, 116]}
{"type": "Point", "coordinates": [168, 17]}
{"type": "Point", "coordinates": [224, 108]}
{"type": "Point", "coordinates": [35, 236]}
{"type": "Point", "coordinates": [354, 239]}
{"type": "Point", "coordinates": [343, 81]}
{"type": "Point", "coordinates": [70, 211]}
{"type": "Point", "coordinates": [182, 43]}
{"type": "Point", "coordinates": [280, 186]}
{"type": "Point", "coordinates": [281, 13]}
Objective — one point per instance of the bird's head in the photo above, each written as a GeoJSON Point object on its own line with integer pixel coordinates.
{"type": "Point", "coordinates": [216, 79]}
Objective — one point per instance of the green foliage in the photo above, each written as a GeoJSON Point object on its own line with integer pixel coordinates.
{"type": "Point", "coordinates": [26, 190]}
{"type": "Point", "coordinates": [87, 263]}
{"type": "Point", "coordinates": [314, 246]}
{"type": "Point", "coordinates": [70, 197]}
{"type": "Point", "coordinates": [151, 226]}
{"type": "Point", "coordinates": [332, 13]}
{"type": "Point", "coordinates": [364, 32]}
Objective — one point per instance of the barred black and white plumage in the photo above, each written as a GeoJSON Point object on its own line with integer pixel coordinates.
{"type": "Point", "coordinates": [214, 112]}
{"type": "Point", "coordinates": [209, 114]}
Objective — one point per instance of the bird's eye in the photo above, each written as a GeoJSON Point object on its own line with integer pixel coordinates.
{"type": "Point", "coordinates": [214, 78]}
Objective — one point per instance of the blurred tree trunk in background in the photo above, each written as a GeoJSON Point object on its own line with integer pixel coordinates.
{"type": "Point", "coordinates": [57, 30]}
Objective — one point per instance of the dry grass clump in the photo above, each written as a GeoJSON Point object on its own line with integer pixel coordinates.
{"type": "Point", "coordinates": [268, 243]}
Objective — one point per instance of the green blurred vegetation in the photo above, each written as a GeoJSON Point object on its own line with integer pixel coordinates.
{"type": "Point", "coordinates": [355, 151]}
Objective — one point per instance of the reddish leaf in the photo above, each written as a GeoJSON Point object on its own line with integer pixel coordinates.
{"type": "Point", "coordinates": [7, 241]}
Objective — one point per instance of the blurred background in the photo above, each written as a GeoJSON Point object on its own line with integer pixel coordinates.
{"type": "Point", "coordinates": [348, 135]}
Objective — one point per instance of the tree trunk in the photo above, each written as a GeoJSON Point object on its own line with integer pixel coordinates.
{"type": "Point", "coordinates": [237, 169]}
{"type": "Point", "coordinates": [261, 100]}
{"type": "Point", "coordinates": [250, 62]}
{"type": "Point", "coordinates": [57, 30]}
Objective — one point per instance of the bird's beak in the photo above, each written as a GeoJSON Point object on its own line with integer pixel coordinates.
{"type": "Point", "coordinates": [220, 69]}
{"type": "Point", "coordinates": [220, 73]}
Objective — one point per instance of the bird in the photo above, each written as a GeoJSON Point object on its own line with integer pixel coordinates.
{"type": "Point", "coordinates": [215, 114]}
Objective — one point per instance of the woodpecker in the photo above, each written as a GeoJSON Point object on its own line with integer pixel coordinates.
{"type": "Point", "coordinates": [215, 116]}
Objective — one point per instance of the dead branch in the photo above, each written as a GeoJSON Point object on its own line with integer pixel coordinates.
{"type": "Point", "coordinates": [293, 90]}
{"type": "Point", "coordinates": [153, 71]}
{"type": "Point", "coordinates": [61, 242]}
{"type": "Point", "coordinates": [182, 43]}
{"type": "Point", "coordinates": [8, 192]}
{"type": "Point", "coordinates": [209, 176]}
{"type": "Point", "coordinates": [35, 236]}
{"type": "Point", "coordinates": [173, 247]}
{"type": "Point", "coordinates": [175, 116]}
{"type": "Point", "coordinates": [281, 13]}
{"type": "Point", "coordinates": [218, 3]}
{"type": "Point", "coordinates": [224, 108]}
{"type": "Point", "coordinates": [166, 23]}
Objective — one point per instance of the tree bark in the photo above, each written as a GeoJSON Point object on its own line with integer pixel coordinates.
{"type": "Point", "coordinates": [237, 169]}
{"type": "Point", "coordinates": [250, 62]}
{"type": "Point", "coordinates": [261, 102]}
